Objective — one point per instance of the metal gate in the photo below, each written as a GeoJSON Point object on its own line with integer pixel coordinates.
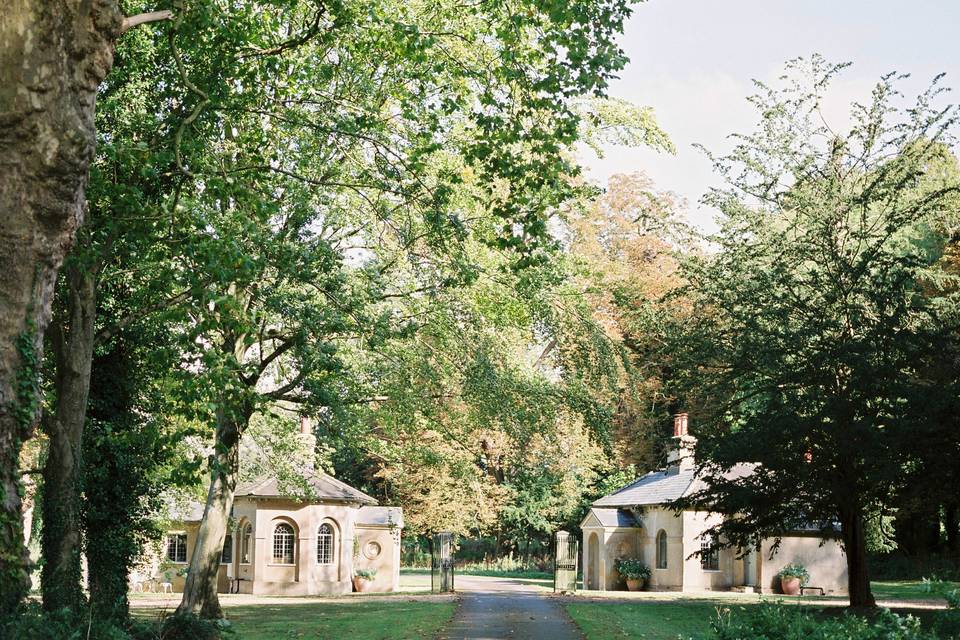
{"type": "Point", "coordinates": [565, 562]}
{"type": "Point", "coordinates": [441, 563]}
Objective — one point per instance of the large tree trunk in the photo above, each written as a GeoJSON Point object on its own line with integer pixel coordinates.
{"type": "Point", "coordinates": [73, 336]}
{"type": "Point", "coordinates": [200, 590]}
{"type": "Point", "coordinates": [53, 55]}
{"type": "Point", "coordinates": [855, 546]}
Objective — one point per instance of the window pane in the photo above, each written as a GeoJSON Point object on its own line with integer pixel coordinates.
{"type": "Point", "coordinates": [325, 544]}
{"type": "Point", "coordinates": [177, 547]}
{"type": "Point", "coordinates": [283, 544]}
{"type": "Point", "coordinates": [245, 544]}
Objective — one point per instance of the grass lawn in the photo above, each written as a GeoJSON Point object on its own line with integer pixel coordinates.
{"type": "Point", "coordinates": [907, 590]}
{"type": "Point", "coordinates": [407, 620]}
{"type": "Point", "coordinates": [647, 620]}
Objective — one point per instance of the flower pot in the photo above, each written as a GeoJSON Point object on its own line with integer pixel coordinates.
{"type": "Point", "coordinates": [634, 585]}
{"type": "Point", "coordinates": [790, 585]}
{"type": "Point", "coordinates": [361, 585]}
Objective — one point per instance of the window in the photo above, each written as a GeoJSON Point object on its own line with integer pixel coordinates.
{"type": "Point", "coordinates": [662, 549]}
{"type": "Point", "coordinates": [710, 554]}
{"type": "Point", "coordinates": [177, 547]}
{"type": "Point", "coordinates": [226, 556]}
{"type": "Point", "coordinates": [325, 544]}
{"type": "Point", "coordinates": [283, 540]}
{"type": "Point", "coordinates": [246, 543]}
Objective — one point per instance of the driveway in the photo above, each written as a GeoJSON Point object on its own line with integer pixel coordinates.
{"type": "Point", "coordinates": [499, 608]}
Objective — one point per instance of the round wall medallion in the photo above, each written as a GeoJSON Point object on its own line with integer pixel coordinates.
{"type": "Point", "coordinates": [371, 550]}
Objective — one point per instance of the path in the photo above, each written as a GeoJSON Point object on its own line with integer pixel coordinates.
{"type": "Point", "coordinates": [501, 608]}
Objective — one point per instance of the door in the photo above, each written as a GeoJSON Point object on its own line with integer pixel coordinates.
{"type": "Point", "coordinates": [593, 562]}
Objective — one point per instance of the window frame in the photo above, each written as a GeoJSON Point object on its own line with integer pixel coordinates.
{"type": "Point", "coordinates": [246, 543]}
{"type": "Point", "coordinates": [662, 548]}
{"type": "Point", "coordinates": [331, 537]}
{"type": "Point", "coordinates": [178, 536]}
{"type": "Point", "coordinates": [279, 561]}
{"type": "Point", "coordinates": [710, 554]}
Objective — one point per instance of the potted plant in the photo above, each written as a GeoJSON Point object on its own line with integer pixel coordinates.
{"type": "Point", "coordinates": [792, 578]}
{"type": "Point", "coordinates": [362, 579]}
{"type": "Point", "coordinates": [634, 572]}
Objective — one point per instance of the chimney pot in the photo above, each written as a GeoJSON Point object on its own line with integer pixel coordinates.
{"type": "Point", "coordinates": [679, 425]}
{"type": "Point", "coordinates": [305, 426]}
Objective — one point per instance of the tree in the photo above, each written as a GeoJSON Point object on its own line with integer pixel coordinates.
{"type": "Point", "coordinates": [52, 58]}
{"type": "Point", "coordinates": [812, 323]}
{"type": "Point", "coordinates": [369, 132]}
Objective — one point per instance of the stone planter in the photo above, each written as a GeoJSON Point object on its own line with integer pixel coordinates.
{"type": "Point", "coordinates": [790, 586]}
{"type": "Point", "coordinates": [635, 585]}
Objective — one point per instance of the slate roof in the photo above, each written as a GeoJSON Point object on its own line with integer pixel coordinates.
{"type": "Point", "coordinates": [660, 487]}
{"type": "Point", "coordinates": [657, 487]}
{"type": "Point", "coordinates": [615, 517]}
{"type": "Point", "coordinates": [325, 487]}
{"type": "Point", "coordinates": [191, 511]}
{"type": "Point", "coordinates": [380, 516]}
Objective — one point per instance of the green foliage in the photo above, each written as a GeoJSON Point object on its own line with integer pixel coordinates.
{"type": "Point", "coordinates": [632, 569]}
{"type": "Point", "coordinates": [815, 313]}
{"type": "Point", "coordinates": [793, 623]}
{"type": "Point", "coordinates": [32, 623]}
{"type": "Point", "coordinates": [795, 570]}
{"type": "Point", "coordinates": [190, 627]}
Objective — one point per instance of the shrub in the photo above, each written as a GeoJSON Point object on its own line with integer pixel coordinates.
{"type": "Point", "coordinates": [32, 623]}
{"type": "Point", "coordinates": [768, 621]}
{"type": "Point", "coordinates": [189, 627]}
{"type": "Point", "coordinates": [947, 623]}
{"type": "Point", "coordinates": [632, 569]}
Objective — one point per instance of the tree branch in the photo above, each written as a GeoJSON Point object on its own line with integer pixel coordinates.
{"type": "Point", "coordinates": [142, 18]}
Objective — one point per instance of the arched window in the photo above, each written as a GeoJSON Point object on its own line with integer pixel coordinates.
{"type": "Point", "coordinates": [662, 549]}
{"type": "Point", "coordinates": [325, 544]}
{"type": "Point", "coordinates": [246, 543]}
{"type": "Point", "coordinates": [283, 541]}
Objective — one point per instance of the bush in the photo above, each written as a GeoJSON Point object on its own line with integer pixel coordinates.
{"type": "Point", "coordinates": [768, 621]}
{"type": "Point", "coordinates": [188, 627]}
{"type": "Point", "coordinates": [32, 623]}
{"type": "Point", "coordinates": [947, 623]}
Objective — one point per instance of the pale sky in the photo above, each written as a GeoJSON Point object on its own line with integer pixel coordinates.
{"type": "Point", "coordinates": [693, 61]}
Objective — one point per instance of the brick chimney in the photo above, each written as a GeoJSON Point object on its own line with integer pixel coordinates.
{"type": "Point", "coordinates": [681, 457]}
{"type": "Point", "coordinates": [308, 442]}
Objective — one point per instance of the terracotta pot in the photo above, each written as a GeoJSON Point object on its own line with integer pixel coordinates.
{"type": "Point", "coordinates": [360, 585]}
{"type": "Point", "coordinates": [790, 585]}
{"type": "Point", "coordinates": [634, 585]}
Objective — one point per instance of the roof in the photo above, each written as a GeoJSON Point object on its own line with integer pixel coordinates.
{"type": "Point", "coordinates": [191, 511]}
{"type": "Point", "coordinates": [324, 487]}
{"type": "Point", "coordinates": [615, 517]}
{"type": "Point", "coordinates": [657, 487]}
{"type": "Point", "coordinates": [380, 516]}
{"type": "Point", "coordinates": [666, 485]}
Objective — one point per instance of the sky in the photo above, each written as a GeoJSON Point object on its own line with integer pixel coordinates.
{"type": "Point", "coordinates": [693, 61]}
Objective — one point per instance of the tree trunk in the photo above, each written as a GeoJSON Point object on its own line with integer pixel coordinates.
{"type": "Point", "coordinates": [53, 55]}
{"type": "Point", "coordinates": [72, 338]}
{"type": "Point", "coordinates": [200, 590]}
{"type": "Point", "coordinates": [951, 516]}
{"type": "Point", "coordinates": [855, 546]}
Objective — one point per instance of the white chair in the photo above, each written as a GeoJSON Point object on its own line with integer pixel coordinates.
{"type": "Point", "coordinates": [166, 587]}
